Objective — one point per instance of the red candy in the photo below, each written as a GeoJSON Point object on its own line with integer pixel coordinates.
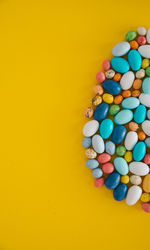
{"type": "Point", "coordinates": [103, 158]}
{"type": "Point", "coordinates": [99, 182]}
{"type": "Point", "coordinates": [106, 65]}
{"type": "Point", "coordinates": [147, 159]}
{"type": "Point", "coordinates": [146, 207]}
{"type": "Point", "coordinates": [100, 77]}
{"type": "Point", "coordinates": [108, 168]}
{"type": "Point", "coordinates": [141, 40]}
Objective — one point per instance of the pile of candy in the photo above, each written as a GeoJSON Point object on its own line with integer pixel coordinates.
{"type": "Point", "coordinates": [117, 139]}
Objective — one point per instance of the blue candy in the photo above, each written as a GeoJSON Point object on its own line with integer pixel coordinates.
{"type": "Point", "coordinates": [97, 173]}
{"type": "Point", "coordinates": [123, 117]}
{"type": "Point", "coordinates": [120, 192]}
{"type": "Point", "coordinates": [140, 114]}
{"type": "Point", "coordinates": [135, 60]}
{"type": "Point", "coordinates": [87, 141]}
{"type": "Point", "coordinates": [130, 103]}
{"type": "Point", "coordinates": [119, 134]}
{"type": "Point", "coordinates": [92, 163]}
{"type": "Point", "coordinates": [121, 165]}
{"type": "Point", "coordinates": [120, 65]}
{"type": "Point", "coordinates": [112, 87]}
{"type": "Point", "coordinates": [112, 180]}
{"type": "Point", "coordinates": [110, 147]}
{"type": "Point", "coordinates": [147, 142]}
{"type": "Point", "coordinates": [106, 128]}
{"type": "Point", "coordinates": [146, 85]}
{"type": "Point", "coordinates": [139, 151]}
{"type": "Point", "coordinates": [101, 111]}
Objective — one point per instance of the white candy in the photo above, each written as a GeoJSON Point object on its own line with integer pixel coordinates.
{"type": "Point", "coordinates": [148, 36]}
{"type": "Point", "coordinates": [121, 49]}
{"type": "Point", "coordinates": [145, 99]}
{"type": "Point", "coordinates": [90, 128]}
{"type": "Point", "coordinates": [110, 74]}
{"type": "Point", "coordinates": [140, 73]}
{"type": "Point", "coordinates": [144, 50]}
{"type": "Point", "coordinates": [135, 179]}
{"type": "Point", "coordinates": [130, 140]}
{"type": "Point", "coordinates": [141, 31]}
{"type": "Point", "coordinates": [146, 127]}
{"type": "Point", "coordinates": [98, 143]}
{"type": "Point", "coordinates": [139, 168]}
{"type": "Point", "coordinates": [133, 195]}
{"type": "Point", "coordinates": [127, 80]}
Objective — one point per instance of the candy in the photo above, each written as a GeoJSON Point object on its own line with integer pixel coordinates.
{"type": "Point", "coordinates": [127, 80]}
{"type": "Point", "coordinates": [130, 140]}
{"type": "Point", "coordinates": [106, 128]}
{"type": "Point", "coordinates": [133, 195]}
{"type": "Point", "coordinates": [121, 165]}
{"type": "Point", "coordinates": [98, 144]}
{"type": "Point", "coordinates": [120, 192]}
{"type": "Point", "coordinates": [122, 152]}
{"type": "Point", "coordinates": [121, 49]}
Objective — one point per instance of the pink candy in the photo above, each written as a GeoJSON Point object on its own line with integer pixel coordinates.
{"type": "Point", "coordinates": [141, 40]}
{"type": "Point", "coordinates": [100, 77]}
{"type": "Point", "coordinates": [147, 159]}
{"type": "Point", "coordinates": [108, 168]}
{"type": "Point", "coordinates": [99, 182]}
{"type": "Point", "coordinates": [106, 65]}
{"type": "Point", "coordinates": [103, 158]}
{"type": "Point", "coordinates": [146, 207]}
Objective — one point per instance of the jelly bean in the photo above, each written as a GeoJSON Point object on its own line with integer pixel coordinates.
{"type": "Point", "coordinates": [130, 140]}
{"type": "Point", "coordinates": [140, 114]}
{"type": "Point", "coordinates": [131, 35]}
{"type": "Point", "coordinates": [92, 163]}
{"type": "Point", "coordinates": [89, 112]}
{"type": "Point", "coordinates": [137, 84]}
{"type": "Point", "coordinates": [119, 134]}
{"type": "Point", "coordinates": [127, 80]}
{"type": "Point", "coordinates": [103, 158]}
{"type": "Point", "coordinates": [141, 40]}
{"type": "Point", "coordinates": [135, 179]}
{"type": "Point", "coordinates": [135, 60]}
{"type": "Point", "coordinates": [112, 87]}
{"type": "Point", "coordinates": [130, 103]}
{"type": "Point", "coordinates": [120, 150]}
{"type": "Point", "coordinates": [98, 144]}
{"type": "Point", "coordinates": [120, 192]}
{"type": "Point", "coordinates": [126, 93]}
{"type": "Point", "coordinates": [110, 74]}
{"type": "Point", "coordinates": [90, 128]}
{"type": "Point", "coordinates": [128, 156]}
{"type": "Point", "coordinates": [121, 49]}
{"type": "Point", "coordinates": [112, 180]}
{"type": "Point", "coordinates": [146, 183]}
{"type": "Point", "coordinates": [139, 168]}
{"type": "Point", "coordinates": [114, 109]}
{"type": "Point", "coordinates": [120, 65]}
{"type": "Point", "coordinates": [87, 141]}
{"type": "Point", "coordinates": [121, 165]}
{"type": "Point", "coordinates": [110, 147]}
{"type": "Point", "coordinates": [99, 182]}
{"type": "Point", "coordinates": [139, 151]}
{"type": "Point", "coordinates": [145, 197]}
{"type": "Point", "coordinates": [90, 153]}
{"type": "Point", "coordinates": [125, 179]}
{"type": "Point", "coordinates": [106, 65]}
{"type": "Point", "coordinates": [101, 112]}
{"type": "Point", "coordinates": [106, 128]}
{"type": "Point", "coordinates": [98, 89]}
{"type": "Point", "coordinates": [146, 85]}
{"type": "Point", "coordinates": [97, 173]}
{"type": "Point", "coordinates": [108, 168]}
{"type": "Point", "coordinates": [97, 100]}
{"type": "Point", "coordinates": [123, 117]}
{"type": "Point", "coordinates": [145, 63]}
{"type": "Point", "coordinates": [133, 195]}
{"type": "Point", "coordinates": [108, 98]}
{"type": "Point", "coordinates": [100, 77]}
{"type": "Point", "coordinates": [146, 207]}
{"type": "Point", "coordinates": [141, 31]}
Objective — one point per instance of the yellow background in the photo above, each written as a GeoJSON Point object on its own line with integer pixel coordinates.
{"type": "Point", "coordinates": [50, 52]}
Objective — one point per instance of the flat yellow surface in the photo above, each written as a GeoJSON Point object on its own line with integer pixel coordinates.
{"type": "Point", "coordinates": [50, 52]}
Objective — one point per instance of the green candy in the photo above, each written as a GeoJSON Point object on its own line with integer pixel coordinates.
{"type": "Point", "coordinates": [131, 35]}
{"type": "Point", "coordinates": [121, 150]}
{"type": "Point", "coordinates": [114, 109]}
{"type": "Point", "coordinates": [148, 71]}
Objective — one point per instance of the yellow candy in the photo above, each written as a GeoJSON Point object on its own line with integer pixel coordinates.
{"type": "Point", "coordinates": [145, 63]}
{"type": "Point", "coordinates": [145, 197]}
{"type": "Point", "coordinates": [108, 98]}
{"type": "Point", "coordinates": [125, 179]}
{"type": "Point", "coordinates": [128, 156]}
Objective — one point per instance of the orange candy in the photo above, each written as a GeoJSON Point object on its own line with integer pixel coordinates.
{"type": "Point", "coordinates": [137, 84]}
{"type": "Point", "coordinates": [126, 93]}
{"type": "Point", "coordinates": [117, 77]}
{"type": "Point", "coordinates": [118, 99]}
{"type": "Point", "coordinates": [133, 126]}
{"type": "Point", "coordinates": [141, 136]}
{"type": "Point", "coordinates": [134, 45]}
{"type": "Point", "coordinates": [136, 93]}
{"type": "Point", "coordinates": [98, 89]}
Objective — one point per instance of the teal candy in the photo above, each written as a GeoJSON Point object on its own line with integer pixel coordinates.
{"type": "Point", "coordinates": [146, 85]}
{"type": "Point", "coordinates": [135, 60]}
{"type": "Point", "coordinates": [92, 163]}
{"type": "Point", "coordinates": [148, 114]}
{"type": "Point", "coordinates": [123, 117]}
{"type": "Point", "coordinates": [130, 103]}
{"type": "Point", "coordinates": [106, 128]}
{"type": "Point", "coordinates": [120, 65]}
{"type": "Point", "coordinates": [121, 165]}
{"type": "Point", "coordinates": [139, 151]}
{"type": "Point", "coordinates": [140, 114]}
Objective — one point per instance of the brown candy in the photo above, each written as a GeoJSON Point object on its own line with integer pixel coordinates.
{"type": "Point", "coordinates": [126, 93]}
{"type": "Point", "coordinates": [98, 89]}
{"type": "Point", "coordinates": [118, 99]}
{"type": "Point", "coordinates": [141, 135]}
{"type": "Point", "coordinates": [117, 77]}
{"type": "Point", "coordinates": [135, 93]}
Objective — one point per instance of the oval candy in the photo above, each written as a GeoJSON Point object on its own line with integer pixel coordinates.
{"type": "Point", "coordinates": [112, 87]}
{"type": "Point", "coordinates": [101, 111]}
{"type": "Point", "coordinates": [127, 80]}
{"type": "Point", "coordinates": [121, 165]}
{"type": "Point", "coordinates": [147, 142]}
{"type": "Point", "coordinates": [87, 141]}
{"type": "Point", "coordinates": [130, 103]}
{"type": "Point", "coordinates": [139, 168]}
{"type": "Point", "coordinates": [133, 195]}
{"type": "Point", "coordinates": [120, 192]}
{"type": "Point", "coordinates": [146, 85]}
{"type": "Point", "coordinates": [146, 127]}
{"type": "Point", "coordinates": [108, 168]}
{"type": "Point", "coordinates": [144, 51]}
{"type": "Point", "coordinates": [110, 147]}
{"type": "Point", "coordinates": [121, 49]}
{"type": "Point", "coordinates": [112, 180]}
{"type": "Point", "coordinates": [103, 158]}
{"type": "Point", "coordinates": [90, 128]}
{"type": "Point", "coordinates": [120, 65]}
{"type": "Point", "coordinates": [130, 140]}
{"type": "Point", "coordinates": [139, 151]}
{"type": "Point", "coordinates": [106, 128]}
{"type": "Point", "coordinates": [123, 117]}
{"type": "Point", "coordinates": [145, 99]}
{"type": "Point", "coordinates": [97, 173]}
{"type": "Point", "coordinates": [135, 60]}
{"type": "Point", "coordinates": [92, 163]}
{"type": "Point", "coordinates": [140, 114]}
{"type": "Point", "coordinates": [146, 183]}
{"type": "Point", "coordinates": [118, 134]}
{"type": "Point", "coordinates": [98, 144]}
